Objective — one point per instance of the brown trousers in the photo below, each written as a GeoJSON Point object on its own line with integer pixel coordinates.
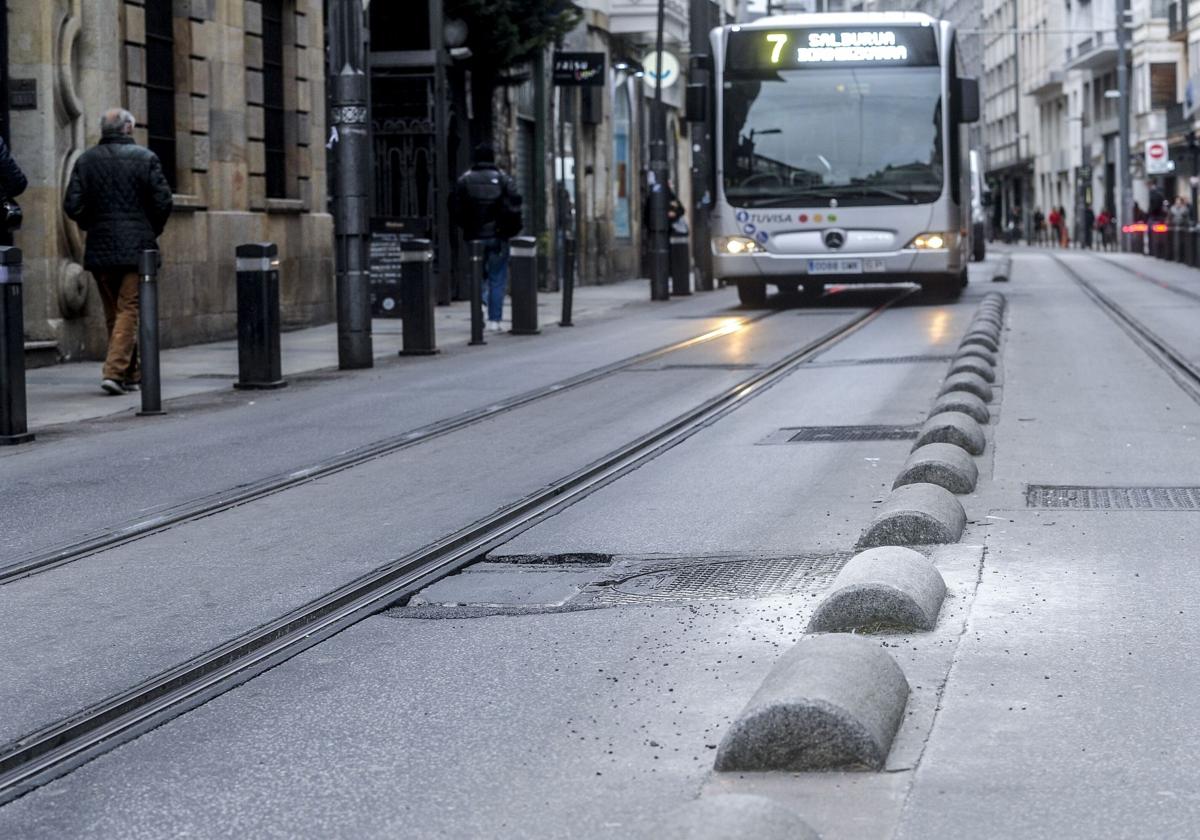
{"type": "Point", "coordinates": [119, 292]}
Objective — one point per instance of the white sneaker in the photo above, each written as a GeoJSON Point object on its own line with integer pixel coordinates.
{"type": "Point", "coordinates": [497, 327]}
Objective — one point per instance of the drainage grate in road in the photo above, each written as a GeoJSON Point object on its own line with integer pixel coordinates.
{"type": "Point", "coordinates": [1112, 498]}
{"type": "Point", "coordinates": [881, 360]}
{"type": "Point", "coordinates": [842, 434]}
{"type": "Point", "coordinates": [735, 578]}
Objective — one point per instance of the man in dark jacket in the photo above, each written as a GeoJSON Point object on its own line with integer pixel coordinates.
{"type": "Point", "coordinates": [486, 204]}
{"type": "Point", "coordinates": [119, 196]}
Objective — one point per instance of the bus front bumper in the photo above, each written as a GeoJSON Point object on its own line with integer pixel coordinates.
{"type": "Point", "coordinates": [888, 267]}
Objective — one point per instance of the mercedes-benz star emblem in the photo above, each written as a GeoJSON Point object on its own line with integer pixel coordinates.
{"type": "Point", "coordinates": [834, 239]}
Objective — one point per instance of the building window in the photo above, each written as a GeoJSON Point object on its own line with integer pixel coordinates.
{"type": "Point", "coordinates": [160, 84]}
{"type": "Point", "coordinates": [273, 101]}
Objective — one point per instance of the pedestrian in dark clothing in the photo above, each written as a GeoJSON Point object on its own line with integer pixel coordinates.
{"type": "Point", "coordinates": [486, 204]}
{"type": "Point", "coordinates": [1089, 225]}
{"type": "Point", "coordinates": [119, 196]}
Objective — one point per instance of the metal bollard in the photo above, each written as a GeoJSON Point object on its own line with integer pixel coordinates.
{"type": "Point", "coordinates": [418, 297]}
{"type": "Point", "coordinates": [522, 285]}
{"type": "Point", "coordinates": [681, 265]}
{"type": "Point", "coordinates": [14, 427]}
{"type": "Point", "coordinates": [568, 291]}
{"type": "Point", "coordinates": [476, 289]}
{"type": "Point", "coordinates": [260, 364]}
{"type": "Point", "coordinates": [148, 334]}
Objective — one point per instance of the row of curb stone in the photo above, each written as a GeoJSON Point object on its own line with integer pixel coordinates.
{"type": "Point", "coordinates": [835, 700]}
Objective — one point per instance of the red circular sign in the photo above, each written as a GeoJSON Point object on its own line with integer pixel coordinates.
{"type": "Point", "coordinates": [1157, 150]}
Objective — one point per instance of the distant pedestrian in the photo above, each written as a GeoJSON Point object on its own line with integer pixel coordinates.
{"type": "Point", "coordinates": [119, 196]}
{"type": "Point", "coordinates": [1089, 226]}
{"type": "Point", "coordinates": [1104, 224]}
{"type": "Point", "coordinates": [486, 204]}
{"type": "Point", "coordinates": [1064, 237]}
{"type": "Point", "coordinates": [1039, 226]}
{"type": "Point", "coordinates": [1180, 213]}
{"type": "Point", "coordinates": [1054, 220]}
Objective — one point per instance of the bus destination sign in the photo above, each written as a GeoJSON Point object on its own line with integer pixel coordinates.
{"type": "Point", "coordinates": [785, 49]}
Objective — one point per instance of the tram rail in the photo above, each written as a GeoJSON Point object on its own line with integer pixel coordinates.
{"type": "Point", "coordinates": [1185, 373]}
{"type": "Point", "coordinates": [203, 506]}
{"type": "Point", "coordinates": [54, 750]}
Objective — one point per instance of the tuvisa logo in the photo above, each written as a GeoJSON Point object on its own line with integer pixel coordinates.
{"type": "Point", "coordinates": [771, 218]}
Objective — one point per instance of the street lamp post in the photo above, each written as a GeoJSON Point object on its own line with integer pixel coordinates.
{"type": "Point", "coordinates": [657, 209]}
{"type": "Point", "coordinates": [1125, 211]}
{"type": "Point", "coordinates": [351, 162]}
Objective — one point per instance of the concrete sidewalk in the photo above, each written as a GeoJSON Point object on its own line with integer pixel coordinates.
{"type": "Point", "coordinates": [70, 392]}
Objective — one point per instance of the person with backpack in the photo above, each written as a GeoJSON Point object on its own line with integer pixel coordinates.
{"type": "Point", "coordinates": [486, 204]}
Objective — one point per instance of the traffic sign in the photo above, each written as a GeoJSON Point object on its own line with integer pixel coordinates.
{"type": "Point", "coordinates": [1158, 158]}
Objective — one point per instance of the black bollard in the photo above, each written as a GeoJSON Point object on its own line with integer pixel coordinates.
{"type": "Point", "coordinates": [14, 427]}
{"type": "Point", "coordinates": [522, 284]}
{"type": "Point", "coordinates": [260, 364]}
{"type": "Point", "coordinates": [476, 290]}
{"type": "Point", "coordinates": [148, 334]}
{"type": "Point", "coordinates": [681, 268]}
{"type": "Point", "coordinates": [568, 291]}
{"type": "Point", "coordinates": [417, 297]}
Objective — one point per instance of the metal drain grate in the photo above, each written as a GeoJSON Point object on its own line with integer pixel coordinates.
{"type": "Point", "coordinates": [742, 578]}
{"type": "Point", "coordinates": [1112, 498]}
{"type": "Point", "coordinates": [881, 360]}
{"type": "Point", "coordinates": [846, 434]}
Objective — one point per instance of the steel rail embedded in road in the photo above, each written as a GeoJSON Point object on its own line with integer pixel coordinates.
{"type": "Point", "coordinates": [207, 505]}
{"type": "Point", "coordinates": [1178, 367]}
{"type": "Point", "coordinates": [50, 752]}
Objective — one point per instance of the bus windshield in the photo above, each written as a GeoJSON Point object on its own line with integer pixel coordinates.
{"type": "Point", "coordinates": [866, 135]}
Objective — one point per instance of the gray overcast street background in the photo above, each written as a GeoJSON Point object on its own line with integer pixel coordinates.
{"type": "Point", "coordinates": [577, 682]}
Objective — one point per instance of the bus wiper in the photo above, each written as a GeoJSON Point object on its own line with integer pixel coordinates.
{"type": "Point", "coordinates": [871, 189]}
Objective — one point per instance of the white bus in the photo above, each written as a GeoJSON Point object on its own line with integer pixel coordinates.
{"type": "Point", "coordinates": [841, 156]}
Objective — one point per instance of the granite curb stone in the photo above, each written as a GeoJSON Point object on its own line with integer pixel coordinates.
{"type": "Point", "coordinates": [916, 514]}
{"type": "Point", "coordinates": [831, 701]}
{"type": "Point", "coordinates": [733, 816]}
{"type": "Point", "coordinates": [963, 402]}
{"type": "Point", "coordinates": [970, 382]}
{"type": "Point", "coordinates": [943, 464]}
{"type": "Point", "coordinates": [889, 586]}
{"type": "Point", "coordinates": [975, 365]}
{"type": "Point", "coordinates": [982, 339]}
{"type": "Point", "coordinates": [976, 351]}
{"type": "Point", "coordinates": [955, 428]}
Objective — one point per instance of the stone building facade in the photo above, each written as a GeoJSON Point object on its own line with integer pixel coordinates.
{"type": "Point", "coordinates": [230, 94]}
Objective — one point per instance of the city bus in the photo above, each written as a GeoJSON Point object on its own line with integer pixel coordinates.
{"type": "Point", "coordinates": [840, 153]}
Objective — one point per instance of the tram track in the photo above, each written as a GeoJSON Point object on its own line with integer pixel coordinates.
{"type": "Point", "coordinates": [51, 751]}
{"type": "Point", "coordinates": [1185, 373]}
{"type": "Point", "coordinates": [51, 557]}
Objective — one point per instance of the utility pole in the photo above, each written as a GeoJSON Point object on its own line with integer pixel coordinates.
{"type": "Point", "coordinates": [351, 162]}
{"type": "Point", "coordinates": [701, 22]}
{"type": "Point", "coordinates": [1125, 211]}
{"type": "Point", "coordinates": [659, 234]}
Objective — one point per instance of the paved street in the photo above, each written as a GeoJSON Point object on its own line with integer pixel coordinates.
{"type": "Point", "coordinates": [575, 679]}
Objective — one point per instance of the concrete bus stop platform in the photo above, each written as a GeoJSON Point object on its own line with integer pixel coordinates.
{"type": "Point", "coordinates": [70, 392]}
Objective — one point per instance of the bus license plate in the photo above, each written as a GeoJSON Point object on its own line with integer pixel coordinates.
{"type": "Point", "coordinates": [835, 267]}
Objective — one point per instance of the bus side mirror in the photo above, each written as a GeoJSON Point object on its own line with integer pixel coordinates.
{"type": "Point", "coordinates": [968, 100]}
{"type": "Point", "coordinates": [696, 106]}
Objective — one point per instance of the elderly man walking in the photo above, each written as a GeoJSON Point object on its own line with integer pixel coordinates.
{"type": "Point", "coordinates": [119, 196]}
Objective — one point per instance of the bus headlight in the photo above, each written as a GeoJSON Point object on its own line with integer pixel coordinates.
{"type": "Point", "coordinates": [736, 245]}
{"type": "Point", "coordinates": [933, 241]}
